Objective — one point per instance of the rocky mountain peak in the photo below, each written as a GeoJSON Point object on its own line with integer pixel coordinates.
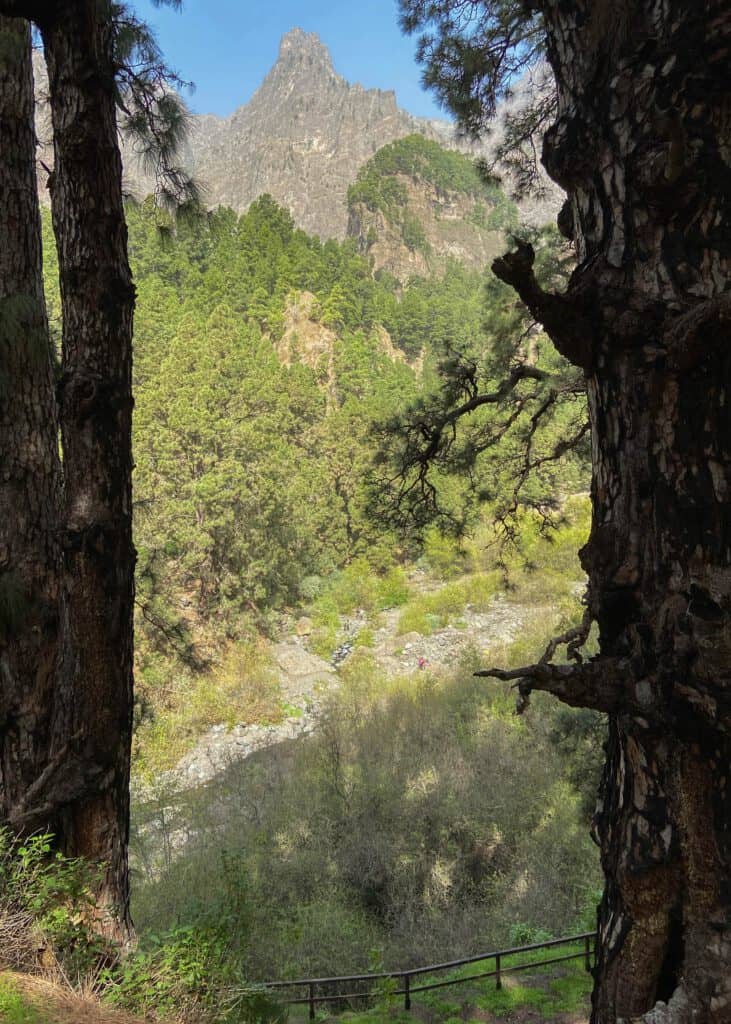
{"type": "Point", "coordinates": [298, 48]}
{"type": "Point", "coordinates": [301, 79]}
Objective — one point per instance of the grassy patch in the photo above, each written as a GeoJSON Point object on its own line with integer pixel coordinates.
{"type": "Point", "coordinates": [429, 612]}
{"type": "Point", "coordinates": [359, 587]}
{"type": "Point", "coordinates": [550, 990]}
{"type": "Point", "coordinates": [241, 688]}
{"type": "Point", "coordinates": [14, 1009]}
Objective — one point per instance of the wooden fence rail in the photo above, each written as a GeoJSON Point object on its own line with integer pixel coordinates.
{"type": "Point", "coordinates": [315, 986]}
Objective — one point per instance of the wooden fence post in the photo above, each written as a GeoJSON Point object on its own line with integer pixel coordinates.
{"type": "Point", "coordinates": [498, 979]}
{"type": "Point", "coordinates": [312, 1001]}
{"type": "Point", "coordinates": [407, 991]}
{"type": "Point", "coordinates": [587, 952]}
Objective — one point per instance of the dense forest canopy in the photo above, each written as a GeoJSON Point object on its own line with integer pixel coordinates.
{"type": "Point", "coordinates": [238, 418]}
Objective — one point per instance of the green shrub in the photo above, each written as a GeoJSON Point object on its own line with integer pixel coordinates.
{"type": "Point", "coordinates": [356, 586]}
{"type": "Point", "coordinates": [443, 554]}
{"type": "Point", "coordinates": [364, 638]}
{"type": "Point", "coordinates": [310, 587]}
{"type": "Point", "coordinates": [422, 817]}
{"type": "Point", "coordinates": [184, 971]}
{"type": "Point", "coordinates": [393, 589]}
{"type": "Point", "coordinates": [47, 904]}
{"type": "Point", "coordinates": [527, 935]}
{"type": "Point", "coordinates": [413, 233]}
{"type": "Point", "coordinates": [432, 611]}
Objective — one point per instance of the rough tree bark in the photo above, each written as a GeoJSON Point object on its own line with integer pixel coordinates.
{"type": "Point", "coordinates": [95, 399]}
{"type": "Point", "coordinates": [84, 783]}
{"type": "Point", "coordinates": [29, 462]}
{"type": "Point", "coordinates": [642, 145]}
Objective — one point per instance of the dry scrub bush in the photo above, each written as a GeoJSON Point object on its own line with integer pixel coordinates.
{"type": "Point", "coordinates": [414, 822]}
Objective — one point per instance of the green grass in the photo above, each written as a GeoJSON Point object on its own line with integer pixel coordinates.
{"type": "Point", "coordinates": [14, 1009]}
{"type": "Point", "coordinates": [428, 612]}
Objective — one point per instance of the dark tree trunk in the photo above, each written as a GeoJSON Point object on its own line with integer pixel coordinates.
{"type": "Point", "coordinates": [29, 462]}
{"type": "Point", "coordinates": [84, 745]}
{"type": "Point", "coordinates": [95, 705]}
{"type": "Point", "coordinates": [642, 146]}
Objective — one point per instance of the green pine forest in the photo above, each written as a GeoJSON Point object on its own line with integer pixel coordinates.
{"type": "Point", "coordinates": [279, 381]}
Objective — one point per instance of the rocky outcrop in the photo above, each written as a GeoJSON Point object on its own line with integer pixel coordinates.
{"type": "Point", "coordinates": [308, 341]}
{"type": "Point", "coordinates": [449, 223]}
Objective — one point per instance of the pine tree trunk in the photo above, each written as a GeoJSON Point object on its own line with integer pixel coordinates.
{"type": "Point", "coordinates": [29, 462]}
{"type": "Point", "coordinates": [642, 146]}
{"type": "Point", "coordinates": [95, 413]}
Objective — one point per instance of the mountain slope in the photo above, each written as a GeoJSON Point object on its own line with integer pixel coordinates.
{"type": "Point", "coordinates": [301, 138]}
{"type": "Point", "coordinates": [415, 205]}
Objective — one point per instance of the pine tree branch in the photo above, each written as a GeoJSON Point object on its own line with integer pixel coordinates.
{"type": "Point", "coordinates": [596, 684]}
{"type": "Point", "coordinates": [430, 435]}
{"type": "Point", "coordinates": [570, 331]}
{"type": "Point", "coordinates": [520, 372]}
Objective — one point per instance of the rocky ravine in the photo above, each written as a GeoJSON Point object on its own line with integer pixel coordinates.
{"type": "Point", "coordinates": [162, 822]}
{"type": "Point", "coordinates": [306, 680]}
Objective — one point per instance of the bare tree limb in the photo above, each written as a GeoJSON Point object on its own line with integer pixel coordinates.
{"type": "Point", "coordinates": [596, 684]}
{"type": "Point", "coordinates": [570, 331]}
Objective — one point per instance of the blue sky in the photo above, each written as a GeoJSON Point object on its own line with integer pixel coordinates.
{"type": "Point", "coordinates": [227, 46]}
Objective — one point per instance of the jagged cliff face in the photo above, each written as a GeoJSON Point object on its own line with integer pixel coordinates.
{"type": "Point", "coordinates": [301, 138]}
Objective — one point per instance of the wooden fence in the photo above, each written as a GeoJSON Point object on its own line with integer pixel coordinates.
{"type": "Point", "coordinates": [321, 990]}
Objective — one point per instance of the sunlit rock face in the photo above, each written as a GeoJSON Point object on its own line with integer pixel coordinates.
{"type": "Point", "coordinates": [301, 138]}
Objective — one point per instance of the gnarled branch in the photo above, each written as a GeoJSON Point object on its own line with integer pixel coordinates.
{"type": "Point", "coordinates": [584, 684]}
{"type": "Point", "coordinates": [595, 684]}
{"type": "Point", "coordinates": [520, 372]}
{"type": "Point", "coordinates": [568, 328]}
